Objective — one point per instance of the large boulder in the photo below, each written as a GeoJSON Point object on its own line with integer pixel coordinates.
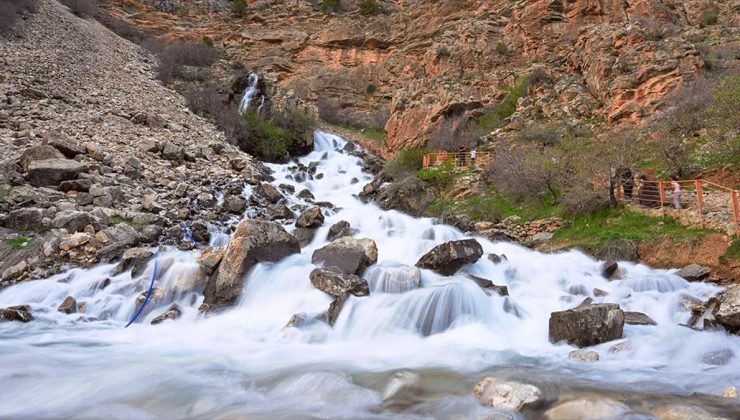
{"type": "Point", "coordinates": [727, 311]}
{"type": "Point", "coordinates": [507, 395]}
{"type": "Point", "coordinates": [50, 172]}
{"type": "Point", "coordinates": [134, 259]}
{"type": "Point", "coordinates": [335, 283]}
{"type": "Point", "coordinates": [618, 249]}
{"type": "Point", "coordinates": [253, 242]}
{"type": "Point", "coordinates": [21, 313]}
{"type": "Point", "coordinates": [587, 325]}
{"type": "Point", "coordinates": [311, 218]}
{"type": "Point", "coordinates": [39, 153]}
{"type": "Point", "coordinates": [350, 255]}
{"type": "Point", "coordinates": [24, 219]}
{"type": "Point", "coordinates": [74, 221]}
{"type": "Point", "coordinates": [449, 257]}
{"type": "Point", "coordinates": [693, 272]}
{"type": "Point", "coordinates": [268, 193]}
{"type": "Point", "coordinates": [339, 230]}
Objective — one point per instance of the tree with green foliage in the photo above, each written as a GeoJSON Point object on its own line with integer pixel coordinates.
{"type": "Point", "coordinates": [331, 5]}
{"type": "Point", "coordinates": [239, 8]}
{"type": "Point", "coordinates": [369, 7]}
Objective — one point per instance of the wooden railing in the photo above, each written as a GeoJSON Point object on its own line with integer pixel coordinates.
{"type": "Point", "coordinates": [458, 159]}
{"type": "Point", "coordinates": [696, 194]}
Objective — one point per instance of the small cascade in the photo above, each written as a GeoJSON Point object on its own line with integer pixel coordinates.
{"type": "Point", "coordinates": [250, 93]}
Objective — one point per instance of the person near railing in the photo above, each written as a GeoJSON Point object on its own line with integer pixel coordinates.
{"type": "Point", "coordinates": [676, 193]}
{"type": "Point", "coordinates": [473, 157]}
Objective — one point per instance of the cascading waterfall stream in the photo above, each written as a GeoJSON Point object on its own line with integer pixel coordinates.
{"type": "Point", "coordinates": [250, 93]}
{"type": "Point", "coordinates": [243, 362]}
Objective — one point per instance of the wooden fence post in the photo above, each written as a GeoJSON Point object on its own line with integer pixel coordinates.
{"type": "Point", "coordinates": [735, 211]}
{"type": "Point", "coordinates": [661, 190]}
{"type": "Point", "coordinates": [699, 200]}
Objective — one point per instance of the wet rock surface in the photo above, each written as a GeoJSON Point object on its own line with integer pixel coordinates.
{"type": "Point", "coordinates": [449, 257]}
{"type": "Point", "coordinates": [349, 255]}
{"type": "Point", "coordinates": [251, 243]}
{"type": "Point", "coordinates": [68, 306]}
{"type": "Point", "coordinates": [509, 395]}
{"type": "Point", "coordinates": [20, 313]}
{"type": "Point", "coordinates": [587, 325]}
{"type": "Point", "coordinates": [336, 283]}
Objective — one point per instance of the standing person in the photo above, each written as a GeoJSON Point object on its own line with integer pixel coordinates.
{"type": "Point", "coordinates": [676, 192]}
{"type": "Point", "coordinates": [473, 156]}
{"type": "Point", "coordinates": [628, 182]}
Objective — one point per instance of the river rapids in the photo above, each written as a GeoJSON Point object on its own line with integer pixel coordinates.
{"type": "Point", "coordinates": [245, 363]}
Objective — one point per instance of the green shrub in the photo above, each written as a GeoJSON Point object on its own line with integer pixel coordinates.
{"type": "Point", "coordinates": [502, 49]}
{"type": "Point", "coordinates": [441, 175]}
{"type": "Point", "coordinates": [709, 18]}
{"type": "Point", "coordinates": [732, 253]}
{"type": "Point", "coordinates": [369, 7]}
{"type": "Point", "coordinates": [207, 40]}
{"type": "Point", "coordinates": [271, 141]}
{"type": "Point", "coordinates": [443, 52]}
{"type": "Point", "coordinates": [238, 8]}
{"type": "Point", "coordinates": [496, 116]}
{"type": "Point", "coordinates": [405, 162]}
{"type": "Point", "coordinates": [331, 5]}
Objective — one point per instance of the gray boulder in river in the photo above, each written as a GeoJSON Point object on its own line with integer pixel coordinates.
{"type": "Point", "coordinates": [253, 242]}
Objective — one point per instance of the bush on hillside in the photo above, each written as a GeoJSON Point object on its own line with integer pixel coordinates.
{"type": "Point", "coordinates": [174, 57]}
{"type": "Point", "coordinates": [369, 7]}
{"type": "Point", "coordinates": [331, 5]}
{"type": "Point", "coordinates": [12, 10]}
{"type": "Point", "coordinates": [238, 8]}
{"type": "Point", "coordinates": [405, 163]}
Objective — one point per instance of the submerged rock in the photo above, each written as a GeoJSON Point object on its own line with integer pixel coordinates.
{"type": "Point", "coordinates": [253, 242]}
{"type": "Point", "coordinates": [339, 230]}
{"type": "Point", "coordinates": [638, 318]}
{"type": "Point", "coordinates": [609, 268]}
{"type": "Point", "coordinates": [20, 313]}
{"type": "Point", "coordinates": [449, 257]}
{"type": "Point", "coordinates": [402, 390]}
{"type": "Point", "coordinates": [393, 278]}
{"type": "Point", "coordinates": [683, 412]}
{"type": "Point", "coordinates": [588, 408]}
{"type": "Point", "coordinates": [134, 259]}
{"type": "Point", "coordinates": [68, 306]}
{"type": "Point", "coordinates": [584, 356]}
{"type": "Point", "coordinates": [335, 308]}
{"type": "Point", "coordinates": [303, 319]}
{"type": "Point", "coordinates": [172, 313]}
{"type": "Point", "coordinates": [497, 259]}
{"type": "Point", "coordinates": [489, 285]}
{"type": "Point", "coordinates": [587, 325]}
{"type": "Point", "coordinates": [509, 395]}
{"type": "Point", "coordinates": [336, 283]}
{"type": "Point", "coordinates": [350, 255]}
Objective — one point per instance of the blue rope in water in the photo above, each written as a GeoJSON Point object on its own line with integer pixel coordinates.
{"type": "Point", "coordinates": [148, 295]}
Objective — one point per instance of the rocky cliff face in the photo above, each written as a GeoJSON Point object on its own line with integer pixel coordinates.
{"type": "Point", "coordinates": [608, 61]}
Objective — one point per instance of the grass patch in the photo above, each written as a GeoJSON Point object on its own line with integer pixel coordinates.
{"type": "Point", "coordinates": [592, 230]}
{"type": "Point", "coordinates": [732, 253]}
{"type": "Point", "coordinates": [375, 134]}
{"type": "Point", "coordinates": [490, 206]}
{"type": "Point", "coordinates": [19, 241]}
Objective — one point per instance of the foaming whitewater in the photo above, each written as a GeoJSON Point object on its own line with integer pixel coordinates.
{"type": "Point", "coordinates": [250, 92]}
{"type": "Point", "coordinates": [244, 362]}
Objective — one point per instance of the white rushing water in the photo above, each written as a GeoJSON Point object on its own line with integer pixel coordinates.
{"type": "Point", "coordinates": [245, 363]}
{"type": "Point", "coordinates": [250, 92]}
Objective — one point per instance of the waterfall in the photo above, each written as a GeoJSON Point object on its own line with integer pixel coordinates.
{"type": "Point", "coordinates": [250, 93]}
{"type": "Point", "coordinates": [244, 362]}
